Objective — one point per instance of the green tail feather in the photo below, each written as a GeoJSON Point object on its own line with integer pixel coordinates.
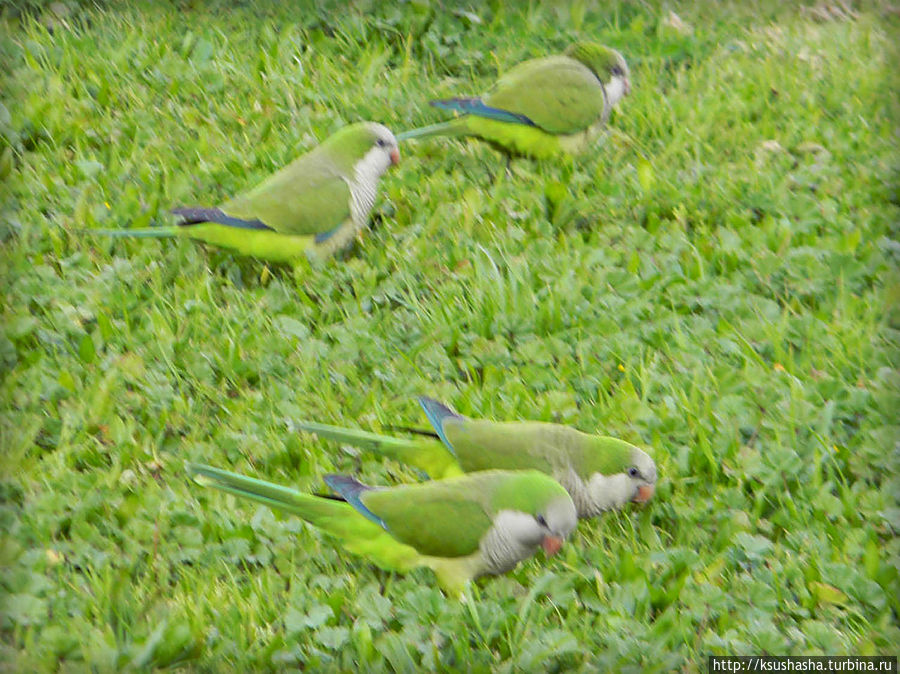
{"type": "Point", "coordinates": [309, 507]}
{"type": "Point", "coordinates": [455, 127]}
{"type": "Point", "coordinates": [382, 444]}
{"type": "Point", "coordinates": [426, 454]}
{"type": "Point", "coordinates": [139, 233]}
{"type": "Point", "coordinates": [335, 518]}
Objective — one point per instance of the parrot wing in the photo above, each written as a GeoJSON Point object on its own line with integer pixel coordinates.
{"type": "Point", "coordinates": [440, 519]}
{"type": "Point", "coordinates": [309, 196]}
{"type": "Point", "coordinates": [482, 445]}
{"type": "Point", "coordinates": [557, 93]}
{"type": "Point", "coordinates": [485, 445]}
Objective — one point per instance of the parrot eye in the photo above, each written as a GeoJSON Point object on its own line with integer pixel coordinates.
{"type": "Point", "coordinates": [633, 472]}
{"type": "Point", "coordinates": [381, 142]}
{"type": "Point", "coordinates": [540, 520]}
{"type": "Point", "coordinates": [617, 71]}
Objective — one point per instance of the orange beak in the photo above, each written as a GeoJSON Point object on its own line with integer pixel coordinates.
{"type": "Point", "coordinates": [627, 86]}
{"type": "Point", "coordinates": [551, 545]}
{"type": "Point", "coordinates": [644, 492]}
{"type": "Point", "coordinates": [395, 156]}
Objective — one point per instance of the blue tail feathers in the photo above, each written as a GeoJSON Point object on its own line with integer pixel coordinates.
{"type": "Point", "coordinates": [350, 490]}
{"type": "Point", "coordinates": [475, 106]}
{"type": "Point", "coordinates": [195, 216]}
{"type": "Point", "coordinates": [437, 412]}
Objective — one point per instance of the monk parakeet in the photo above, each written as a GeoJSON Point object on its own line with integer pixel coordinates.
{"type": "Point", "coordinates": [600, 473]}
{"type": "Point", "coordinates": [543, 107]}
{"type": "Point", "coordinates": [460, 528]}
{"type": "Point", "coordinates": [312, 207]}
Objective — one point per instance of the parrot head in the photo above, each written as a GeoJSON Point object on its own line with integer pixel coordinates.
{"type": "Point", "coordinates": [607, 64]}
{"type": "Point", "coordinates": [368, 147]}
{"type": "Point", "coordinates": [618, 472]}
{"type": "Point", "coordinates": [539, 512]}
{"type": "Point", "coordinates": [384, 142]}
{"type": "Point", "coordinates": [556, 521]}
{"type": "Point", "coordinates": [641, 475]}
{"type": "Point", "coordinates": [547, 527]}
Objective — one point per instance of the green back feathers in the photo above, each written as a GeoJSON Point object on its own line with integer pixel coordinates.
{"type": "Point", "coordinates": [310, 195]}
{"type": "Point", "coordinates": [549, 448]}
{"type": "Point", "coordinates": [482, 445]}
{"type": "Point", "coordinates": [529, 491]}
{"type": "Point", "coordinates": [603, 61]}
{"type": "Point", "coordinates": [307, 197]}
{"type": "Point", "coordinates": [441, 519]}
{"type": "Point", "coordinates": [558, 94]}
{"type": "Point", "coordinates": [433, 517]}
{"type": "Point", "coordinates": [601, 454]}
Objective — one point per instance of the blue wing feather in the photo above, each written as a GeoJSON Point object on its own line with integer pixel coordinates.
{"type": "Point", "coordinates": [350, 490]}
{"type": "Point", "coordinates": [194, 216]}
{"type": "Point", "coordinates": [475, 106]}
{"type": "Point", "coordinates": [324, 236]}
{"type": "Point", "coordinates": [437, 413]}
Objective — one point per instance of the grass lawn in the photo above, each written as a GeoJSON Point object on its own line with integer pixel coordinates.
{"type": "Point", "coordinates": [713, 281]}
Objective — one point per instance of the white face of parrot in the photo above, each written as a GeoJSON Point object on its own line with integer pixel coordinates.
{"type": "Point", "coordinates": [384, 152]}
{"type": "Point", "coordinates": [636, 484]}
{"type": "Point", "coordinates": [617, 89]}
{"type": "Point", "coordinates": [369, 169]}
{"type": "Point", "coordinates": [557, 521]}
{"type": "Point", "coordinates": [515, 535]}
{"type": "Point", "coordinates": [642, 474]}
{"type": "Point", "coordinates": [619, 85]}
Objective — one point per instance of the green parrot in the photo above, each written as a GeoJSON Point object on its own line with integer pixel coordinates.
{"type": "Point", "coordinates": [311, 208]}
{"type": "Point", "coordinates": [461, 528]}
{"type": "Point", "coordinates": [600, 473]}
{"type": "Point", "coordinates": [543, 107]}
